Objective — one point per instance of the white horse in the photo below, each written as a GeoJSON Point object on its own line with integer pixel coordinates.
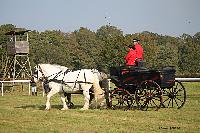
{"type": "Point", "coordinates": [62, 80]}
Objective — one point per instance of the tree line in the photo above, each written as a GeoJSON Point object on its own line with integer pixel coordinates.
{"type": "Point", "coordinates": [107, 47]}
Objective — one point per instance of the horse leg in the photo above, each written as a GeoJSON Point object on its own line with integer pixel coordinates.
{"type": "Point", "coordinates": [91, 97]}
{"type": "Point", "coordinates": [50, 94]}
{"type": "Point", "coordinates": [69, 100]}
{"type": "Point", "coordinates": [68, 95]}
{"type": "Point", "coordinates": [86, 99]}
{"type": "Point", "coordinates": [65, 107]}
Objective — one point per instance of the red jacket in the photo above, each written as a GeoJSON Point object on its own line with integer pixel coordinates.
{"type": "Point", "coordinates": [130, 57]}
{"type": "Point", "coordinates": [139, 51]}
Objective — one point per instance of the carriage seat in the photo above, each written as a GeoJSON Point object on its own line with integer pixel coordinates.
{"type": "Point", "coordinates": [118, 71]}
{"type": "Point", "coordinates": [140, 63]}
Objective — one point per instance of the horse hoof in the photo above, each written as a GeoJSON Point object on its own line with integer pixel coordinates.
{"type": "Point", "coordinates": [47, 109]}
{"type": "Point", "coordinates": [64, 109]}
{"type": "Point", "coordinates": [84, 109]}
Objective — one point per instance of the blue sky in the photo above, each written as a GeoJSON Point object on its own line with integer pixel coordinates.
{"type": "Point", "coordinates": [166, 17]}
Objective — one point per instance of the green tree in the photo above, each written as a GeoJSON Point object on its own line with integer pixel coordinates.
{"type": "Point", "coordinates": [189, 54]}
{"type": "Point", "coordinates": [88, 50]}
{"type": "Point", "coordinates": [3, 41]}
{"type": "Point", "coordinates": [112, 41]}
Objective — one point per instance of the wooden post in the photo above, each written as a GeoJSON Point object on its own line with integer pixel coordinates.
{"type": "Point", "coordinates": [2, 89]}
{"type": "Point", "coordinates": [29, 89]}
{"type": "Point", "coordinates": [109, 89]}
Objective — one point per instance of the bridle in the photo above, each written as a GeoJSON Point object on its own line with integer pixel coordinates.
{"type": "Point", "coordinates": [45, 78]}
{"type": "Point", "coordinates": [37, 76]}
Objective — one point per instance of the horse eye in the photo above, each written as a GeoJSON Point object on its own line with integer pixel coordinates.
{"type": "Point", "coordinates": [35, 71]}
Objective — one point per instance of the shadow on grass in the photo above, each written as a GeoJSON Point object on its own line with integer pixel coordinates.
{"type": "Point", "coordinates": [42, 107]}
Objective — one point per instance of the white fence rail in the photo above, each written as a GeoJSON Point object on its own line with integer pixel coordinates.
{"type": "Point", "coordinates": [28, 81]}
{"type": "Point", "coordinates": [15, 81]}
{"type": "Point", "coordinates": [188, 79]}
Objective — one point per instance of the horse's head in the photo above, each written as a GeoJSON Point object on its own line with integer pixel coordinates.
{"type": "Point", "coordinates": [103, 80]}
{"type": "Point", "coordinates": [101, 99]}
{"type": "Point", "coordinates": [99, 92]}
{"type": "Point", "coordinates": [38, 74]}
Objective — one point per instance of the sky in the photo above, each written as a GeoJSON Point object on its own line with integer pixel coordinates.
{"type": "Point", "coordinates": [165, 17]}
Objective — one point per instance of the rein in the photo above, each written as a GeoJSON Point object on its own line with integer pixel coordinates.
{"type": "Point", "coordinates": [56, 74]}
{"type": "Point", "coordinates": [53, 78]}
{"type": "Point", "coordinates": [44, 78]}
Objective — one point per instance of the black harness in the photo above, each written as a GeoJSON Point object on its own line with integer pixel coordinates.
{"type": "Point", "coordinates": [46, 80]}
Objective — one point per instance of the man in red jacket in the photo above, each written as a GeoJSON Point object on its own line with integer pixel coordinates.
{"type": "Point", "coordinates": [138, 48]}
{"type": "Point", "coordinates": [131, 56]}
{"type": "Point", "coordinates": [139, 51]}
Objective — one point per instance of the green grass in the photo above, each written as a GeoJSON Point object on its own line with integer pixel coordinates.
{"type": "Point", "coordinates": [22, 113]}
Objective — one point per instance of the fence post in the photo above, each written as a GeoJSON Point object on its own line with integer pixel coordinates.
{"type": "Point", "coordinates": [29, 91]}
{"type": "Point", "coordinates": [1, 88]}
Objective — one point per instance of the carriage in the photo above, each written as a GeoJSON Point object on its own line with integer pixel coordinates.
{"type": "Point", "coordinates": [136, 87]}
{"type": "Point", "coordinates": [145, 89]}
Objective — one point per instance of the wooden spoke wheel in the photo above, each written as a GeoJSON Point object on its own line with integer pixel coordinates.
{"type": "Point", "coordinates": [149, 96]}
{"type": "Point", "coordinates": [120, 99]}
{"type": "Point", "coordinates": [175, 96]}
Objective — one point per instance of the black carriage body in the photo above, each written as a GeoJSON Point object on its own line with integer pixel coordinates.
{"type": "Point", "coordinates": [149, 89]}
{"type": "Point", "coordinates": [130, 76]}
{"type": "Point", "coordinates": [166, 77]}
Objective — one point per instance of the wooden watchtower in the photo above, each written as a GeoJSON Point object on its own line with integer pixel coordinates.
{"type": "Point", "coordinates": [17, 64]}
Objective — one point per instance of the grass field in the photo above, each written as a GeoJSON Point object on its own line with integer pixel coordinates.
{"type": "Point", "coordinates": [22, 113]}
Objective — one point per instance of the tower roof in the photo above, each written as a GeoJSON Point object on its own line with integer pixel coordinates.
{"type": "Point", "coordinates": [16, 32]}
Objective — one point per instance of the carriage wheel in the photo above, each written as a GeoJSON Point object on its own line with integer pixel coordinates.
{"type": "Point", "coordinates": [120, 99]}
{"type": "Point", "coordinates": [149, 96]}
{"type": "Point", "coordinates": [175, 96]}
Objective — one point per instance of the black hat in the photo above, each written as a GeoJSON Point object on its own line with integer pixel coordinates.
{"type": "Point", "coordinates": [135, 40]}
{"type": "Point", "coordinates": [130, 46]}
